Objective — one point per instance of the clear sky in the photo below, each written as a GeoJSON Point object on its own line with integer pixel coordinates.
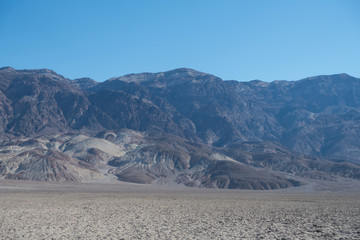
{"type": "Point", "coordinates": [235, 40]}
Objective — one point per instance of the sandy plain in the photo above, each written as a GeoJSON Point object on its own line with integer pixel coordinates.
{"type": "Point", "coordinates": [35, 210]}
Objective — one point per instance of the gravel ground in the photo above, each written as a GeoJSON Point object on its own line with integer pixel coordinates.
{"type": "Point", "coordinates": [136, 212]}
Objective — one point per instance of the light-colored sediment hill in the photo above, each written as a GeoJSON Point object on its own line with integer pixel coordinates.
{"type": "Point", "coordinates": [140, 157]}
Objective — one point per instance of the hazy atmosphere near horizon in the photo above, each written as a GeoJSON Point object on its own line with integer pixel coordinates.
{"type": "Point", "coordinates": [235, 40]}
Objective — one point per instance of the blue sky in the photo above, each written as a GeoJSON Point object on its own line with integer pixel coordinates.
{"type": "Point", "coordinates": [235, 40]}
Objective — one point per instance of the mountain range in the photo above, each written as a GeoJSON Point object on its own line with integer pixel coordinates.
{"type": "Point", "coordinates": [181, 126]}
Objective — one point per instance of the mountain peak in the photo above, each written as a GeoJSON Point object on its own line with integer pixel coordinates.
{"type": "Point", "coordinates": [44, 71]}
{"type": "Point", "coordinates": [339, 76]}
{"type": "Point", "coordinates": [187, 71]}
{"type": "Point", "coordinates": [173, 76]}
{"type": "Point", "coordinates": [7, 69]}
{"type": "Point", "coordinates": [40, 71]}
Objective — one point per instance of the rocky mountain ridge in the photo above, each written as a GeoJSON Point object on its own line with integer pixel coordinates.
{"type": "Point", "coordinates": [250, 134]}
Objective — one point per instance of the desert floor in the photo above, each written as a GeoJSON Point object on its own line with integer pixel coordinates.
{"type": "Point", "coordinates": [33, 210]}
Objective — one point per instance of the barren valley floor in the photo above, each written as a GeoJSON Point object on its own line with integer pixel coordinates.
{"type": "Point", "coordinates": [35, 210]}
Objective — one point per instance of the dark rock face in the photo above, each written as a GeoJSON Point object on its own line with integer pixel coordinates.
{"type": "Point", "coordinates": [36, 99]}
{"type": "Point", "coordinates": [285, 126]}
{"type": "Point", "coordinates": [315, 116]}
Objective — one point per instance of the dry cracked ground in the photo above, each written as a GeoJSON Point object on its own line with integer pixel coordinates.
{"type": "Point", "coordinates": [129, 211]}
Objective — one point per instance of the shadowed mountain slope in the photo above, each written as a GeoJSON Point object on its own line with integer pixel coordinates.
{"type": "Point", "coordinates": [196, 129]}
{"type": "Point", "coordinates": [315, 116]}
